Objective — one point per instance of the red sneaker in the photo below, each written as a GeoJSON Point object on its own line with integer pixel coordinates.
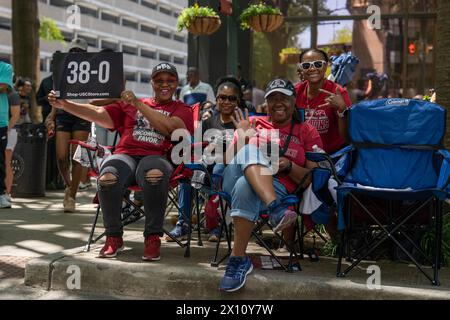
{"type": "Point", "coordinates": [112, 246]}
{"type": "Point", "coordinates": [152, 246]}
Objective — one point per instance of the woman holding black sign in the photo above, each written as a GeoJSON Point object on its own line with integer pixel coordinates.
{"type": "Point", "coordinates": [66, 127]}
{"type": "Point", "coordinates": [145, 126]}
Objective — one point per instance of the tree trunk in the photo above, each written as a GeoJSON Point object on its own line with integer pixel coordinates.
{"type": "Point", "coordinates": [25, 34]}
{"type": "Point", "coordinates": [443, 61]}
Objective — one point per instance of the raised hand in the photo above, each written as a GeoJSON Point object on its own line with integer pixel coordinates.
{"type": "Point", "coordinates": [129, 97]}
{"type": "Point", "coordinates": [334, 99]}
{"type": "Point", "coordinates": [244, 128]}
{"type": "Point", "coordinates": [54, 101]}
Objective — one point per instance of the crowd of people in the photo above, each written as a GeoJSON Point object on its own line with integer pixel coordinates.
{"type": "Point", "coordinates": [242, 113]}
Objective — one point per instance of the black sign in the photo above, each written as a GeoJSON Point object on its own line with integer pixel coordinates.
{"type": "Point", "coordinates": [88, 75]}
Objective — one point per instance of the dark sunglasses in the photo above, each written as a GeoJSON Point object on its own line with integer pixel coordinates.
{"type": "Point", "coordinates": [223, 97]}
{"type": "Point", "coordinates": [317, 64]}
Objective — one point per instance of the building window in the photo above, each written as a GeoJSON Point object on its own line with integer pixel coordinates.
{"type": "Point", "coordinates": [61, 3]}
{"type": "Point", "coordinates": [148, 29]}
{"type": "Point", "coordinates": [165, 34]}
{"type": "Point", "coordinates": [88, 11]}
{"type": "Point", "coordinates": [130, 76]}
{"type": "Point", "coordinates": [68, 36]}
{"type": "Point", "coordinates": [145, 78]}
{"type": "Point", "coordinates": [165, 57]}
{"type": "Point", "coordinates": [130, 50]}
{"type": "Point", "coordinates": [150, 5]}
{"type": "Point", "coordinates": [148, 54]}
{"type": "Point", "coordinates": [92, 42]}
{"type": "Point", "coordinates": [110, 18]}
{"type": "Point", "coordinates": [178, 60]}
{"type": "Point", "coordinates": [165, 11]}
{"type": "Point", "coordinates": [179, 38]}
{"type": "Point", "coordinates": [5, 23]}
{"type": "Point", "coordinates": [42, 65]}
{"type": "Point", "coordinates": [130, 24]}
{"type": "Point", "coordinates": [110, 45]}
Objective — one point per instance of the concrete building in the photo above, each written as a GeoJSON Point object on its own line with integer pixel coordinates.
{"type": "Point", "coordinates": [144, 30]}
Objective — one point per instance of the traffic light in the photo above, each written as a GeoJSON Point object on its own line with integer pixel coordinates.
{"type": "Point", "coordinates": [412, 48]}
{"type": "Point", "coordinates": [226, 7]}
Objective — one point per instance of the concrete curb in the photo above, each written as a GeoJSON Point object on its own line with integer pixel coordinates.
{"type": "Point", "coordinates": [175, 277]}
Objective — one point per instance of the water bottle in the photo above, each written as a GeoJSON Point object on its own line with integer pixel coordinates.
{"type": "Point", "coordinates": [198, 179]}
{"type": "Point", "coordinates": [322, 164]}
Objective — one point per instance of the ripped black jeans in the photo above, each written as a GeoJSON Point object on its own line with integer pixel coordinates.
{"type": "Point", "coordinates": [128, 171]}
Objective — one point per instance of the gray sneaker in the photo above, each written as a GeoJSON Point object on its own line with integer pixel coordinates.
{"type": "Point", "coordinates": [4, 203]}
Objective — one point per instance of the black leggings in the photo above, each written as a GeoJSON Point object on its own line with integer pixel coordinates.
{"type": "Point", "coordinates": [129, 171]}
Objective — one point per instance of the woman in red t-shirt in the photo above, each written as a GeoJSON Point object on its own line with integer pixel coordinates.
{"type": "Point", "coordinates": [324, 101]}
{"type": "Point", "coordinates": [250, 177]}
{"type": "Point", "coordinates": [145, 126]}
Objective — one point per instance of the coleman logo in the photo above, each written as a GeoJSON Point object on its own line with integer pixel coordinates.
{"type": "Point", "coordinates": [277, 84]}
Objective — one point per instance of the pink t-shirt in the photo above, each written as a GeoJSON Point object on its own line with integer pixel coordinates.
{"type": "Point", "coordinates": [138, 137]}
{"type": "Point", "coordinates": [304, 137]}
{"type": "Point", "coordinates": [324, 119]}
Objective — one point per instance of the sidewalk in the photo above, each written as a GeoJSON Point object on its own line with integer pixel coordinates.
{"type": "Point", "coordinates": [37, 233]}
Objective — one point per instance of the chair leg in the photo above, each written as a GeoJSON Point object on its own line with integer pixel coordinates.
{"type": "Point", "coordinates": [223, 227]}
{"type": "Point", "coordinates": [91, 234]}
{"type": "Point", "coordinates": [438, 249]}
{"type": "Point", "coordinates": [341, 254]}
{"type": "Point", "coordinates": [301, 236]}
{"type": "Point", "coordinates": [197, 203]}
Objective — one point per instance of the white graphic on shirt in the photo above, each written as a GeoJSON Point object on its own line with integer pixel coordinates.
{"type": "Point", "coordinates": [143, 131]}
{"type": "Point", "coordinates": [318, 119]}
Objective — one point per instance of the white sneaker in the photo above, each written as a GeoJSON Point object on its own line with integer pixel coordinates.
{"type": "Point", "coordinates": [8, 197]}
{"type": "Point", "coordinates": [4, 203]}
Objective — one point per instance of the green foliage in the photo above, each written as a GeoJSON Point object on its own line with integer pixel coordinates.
{"type": "Point", "coordinates": [428, 239]}
{"type": "Point", "coordinates": [49, 30]}
{"type": "Point", "coordinates": [188, 15]}
{"type": "Point", "coordinates": [344, 35]}
{"type": "Point", "coordinates": [256, 10]}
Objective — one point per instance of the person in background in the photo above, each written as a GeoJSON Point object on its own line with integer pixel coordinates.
{"type": "Point", "coordinates": [196, 91]}
{"type": "Point", "coordinates": [52, 180]}
{"type": "Point", "coordinates": [14, 116]}
{"type": "Point", "coordinates": [24, 88]}
{"type": "Point", "coordinates": [6, 86]}
{"type": "Point", "coordinates": [68, 126]}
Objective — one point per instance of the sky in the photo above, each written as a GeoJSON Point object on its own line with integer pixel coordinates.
{"type": "Point", "coordinates": [327, 30]}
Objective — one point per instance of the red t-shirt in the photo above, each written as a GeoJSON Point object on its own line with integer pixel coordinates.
{"type": "Point", "coordinates": [304, 137]}
{"type": "Point", "coordinates": [324, 119]}
{"type": "Point", "coordinates": [138, 137]}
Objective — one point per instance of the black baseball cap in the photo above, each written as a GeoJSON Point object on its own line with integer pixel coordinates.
{"type": "Point", "coordinates": [280, 85]}
{"type": "Point", "coordinates": [164, 67]}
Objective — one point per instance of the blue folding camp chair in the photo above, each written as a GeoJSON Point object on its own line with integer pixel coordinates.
{"type": "Point", "coordinates": [396, 156]}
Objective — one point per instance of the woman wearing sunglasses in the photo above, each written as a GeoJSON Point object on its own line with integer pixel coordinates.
{"type": "Point", "coordinates": [324, 101]}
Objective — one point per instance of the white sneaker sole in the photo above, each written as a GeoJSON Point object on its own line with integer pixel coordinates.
{"type": "Point", "coordinates": [243, 282]}
{"type": "Point", "coordinates": [151, 259]}
{"type": "Point", "coordinates": [108, 256]}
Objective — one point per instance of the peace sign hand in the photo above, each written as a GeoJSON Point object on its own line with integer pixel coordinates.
{"type": "Point", "coordinates": [334, 99]}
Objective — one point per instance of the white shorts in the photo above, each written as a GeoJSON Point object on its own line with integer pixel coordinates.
{"type": "Point", "coordinates": [12, 139]}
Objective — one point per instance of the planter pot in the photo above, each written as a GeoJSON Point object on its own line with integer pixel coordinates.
{"type": "Point", "coordinates": [266, 22]}
{"type": "Point", "coordinates": [204, 25]}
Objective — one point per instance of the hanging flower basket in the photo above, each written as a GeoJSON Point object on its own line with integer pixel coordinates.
{"type": "Point", "coordinates": [261, 18]}
{"type": "Point", "coordinates": [266, 22]}
{"type": "Point", "coordinates": [204, 25]}
{"type": "Point", "coordinates": [198, 20]}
